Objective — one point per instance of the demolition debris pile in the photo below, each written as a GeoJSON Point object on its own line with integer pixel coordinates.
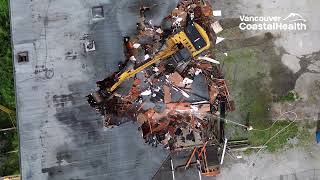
{"type": "Point", "coordinates": [170, 83]}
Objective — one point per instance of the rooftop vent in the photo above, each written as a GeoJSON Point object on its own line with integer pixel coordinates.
{"type": "Point", "coordinates": [23, 57]}
{"type": "Point", "coordinates": [89, 46]}
{"type": "Point", "coordinates": [97, 12]}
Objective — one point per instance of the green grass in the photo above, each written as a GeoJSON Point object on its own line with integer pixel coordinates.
{"type": "Point", "coordinates": [258, 138]}
{"type": "Point", "coordinates": [245, 77]}
{"type": "Point", "coordinates": [290, 97]}
{"type": "Point", "coordinates": [9, 162]}
{"type": "Point", "coordinates": [279, 142]}
{"type": "Point", "coordinates": [252, 94]}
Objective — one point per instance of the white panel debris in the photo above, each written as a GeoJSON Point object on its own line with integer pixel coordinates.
{"type": "Point", "coordinates": [200, 102]}
{"type": "Point", "coordinates": [239, 157]}
{"type": "Point", "coordinates": [136, 45]}
{"type": "Point", "coordinates": [195, 108]}
{"type": "Point", "coordinates": [217, 13]}
{"type": "Point", "coordinates": [187, 81]}
{"type": "Point", "coordinates": [159, 30]}
{"type": "Point", "coordinates": [146, 93]}
{"type": "Point", "coordinates": [178, 20]}
{"type": "Point", "coordinates": [198, 71]}
{"type": "Point", "coordinates": [219, 40]}
{"type": "Point", "coordinates": [132, 58]}
{"type": "Point", "coordinates": [147, 56]}
{"type": "Point", "coordinates": [209, 59]}
{"type": "Point", "coordinates": [157, 89]}
{"type": "Point", "coordinates": [184, 94]}
{"type": "Point", "coordinates": [217, 28]}
{"type": "Point", "coordinates": [175, 89]}
{"type": "Point", "coordinates": [156, 69]}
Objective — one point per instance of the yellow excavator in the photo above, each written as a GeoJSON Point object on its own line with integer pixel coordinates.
{"type": "Point", "coordinates": [10, 114]}
{"type": "Point", "coordinates": [6, 110]}
{"type": "Point", "coordinates": [17, 177]}
{"type": "Point", "coordinates": [190, 42]}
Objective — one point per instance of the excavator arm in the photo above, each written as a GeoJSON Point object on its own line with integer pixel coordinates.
{"type": "Point", "coordinates": [194, 38]}
{"type": "Point", "coordinates": [128, 74]}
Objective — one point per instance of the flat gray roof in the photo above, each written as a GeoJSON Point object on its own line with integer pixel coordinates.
{"type": "Point", "coordinates": [61, 137]}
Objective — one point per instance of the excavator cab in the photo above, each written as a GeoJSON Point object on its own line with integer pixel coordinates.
{"type": "Point", "coordinates": [193, 32]}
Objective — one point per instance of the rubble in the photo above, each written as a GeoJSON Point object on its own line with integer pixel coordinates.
{"type": "Point", "coordinates": [175, 122]}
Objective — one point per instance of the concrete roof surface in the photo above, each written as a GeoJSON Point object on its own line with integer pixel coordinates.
{"type": "Point", "coordinates": [61, 137]}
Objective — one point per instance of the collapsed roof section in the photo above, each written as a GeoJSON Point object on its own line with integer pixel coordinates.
{"type": "Point", "coordinates": [177, 92]}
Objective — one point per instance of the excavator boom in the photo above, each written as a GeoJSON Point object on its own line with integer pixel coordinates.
{"type": "Point", "coordinates": [191, 42]}
{"type": "Point", "coordinates": [194, 38]}
{"type": "Point", "coordinates": [6, 110]}
{"type": "Point", "coordinates": [128, 74]}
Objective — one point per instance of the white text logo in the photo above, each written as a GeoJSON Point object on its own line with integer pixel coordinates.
{"type": "Point", "coordinates": [293, 22]}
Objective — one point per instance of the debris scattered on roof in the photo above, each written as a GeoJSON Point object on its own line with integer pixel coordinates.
{"type": "Point", "coordinates": [136, 45]}
{"type": "Point", "coordinates": [164, 98]}
{"type": "Point", "coordinates": [209, 59]}
{"type": "Point", "coordinates": [146, 92]}
{"type": "Point", "coordinates": [167, 94]}
{"type": "Point", "coordinates": [187, 81]}
{"type": "Point", "coordinates": [217, 13]}
{"type": "Point", "coordinates": [217, 28]}
{"type": "Point", "coordinates": [219, 40]}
